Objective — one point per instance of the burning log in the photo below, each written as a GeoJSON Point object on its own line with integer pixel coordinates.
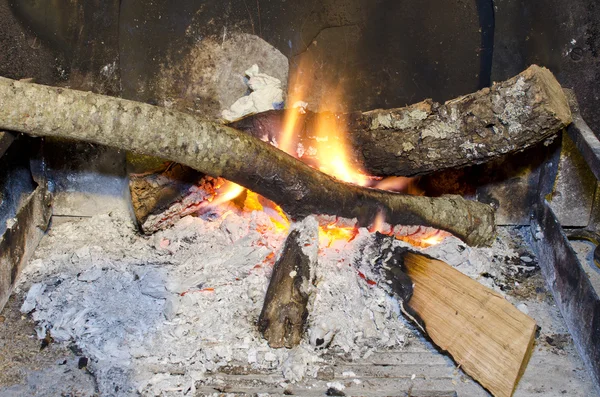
{"type": "Point", "coordinates": [284, 313]}
{"type": "Point", "coordinates": [425, 137]}
{"type": "Point", "coordinates": [219, 150]}
{"type": "Point", "coordinates": [167, 193]}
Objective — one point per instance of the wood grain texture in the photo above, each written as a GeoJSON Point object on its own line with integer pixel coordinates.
{"type": "Point", "coordinates": [487, 336]}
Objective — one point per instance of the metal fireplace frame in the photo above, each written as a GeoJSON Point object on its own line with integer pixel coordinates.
{"type": "Point", "coordinates": [574, 293]}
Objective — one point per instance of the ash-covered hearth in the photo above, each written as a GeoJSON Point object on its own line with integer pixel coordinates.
{"type": "Point", "coordinates": [211, 198]}
{"type": "Point", "coordinates": [175, 313]}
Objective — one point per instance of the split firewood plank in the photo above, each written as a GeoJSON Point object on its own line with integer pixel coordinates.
{"type": "Point", "coordinates": [487, 336]}
{"type": "Point", "coordinates": [508, 117]}
{"type": "Point", "coordinates": [283, 317]}
{"type": "Point", "coordinates": [219, 150]}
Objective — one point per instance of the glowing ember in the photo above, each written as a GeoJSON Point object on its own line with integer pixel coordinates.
{"type": "Point", "coordinates": [330, 233]}
{"type": "Point", "coordinates": [331, 229]}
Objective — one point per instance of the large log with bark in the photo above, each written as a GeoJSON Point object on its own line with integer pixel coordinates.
{"type": "Point", "coordinates": [219, 150]}
{"type": "Point", "coordinates": [508, 117]}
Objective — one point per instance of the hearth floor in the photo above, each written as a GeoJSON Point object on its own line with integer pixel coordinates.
{"type": "Point", "coordinates": [414, 368]}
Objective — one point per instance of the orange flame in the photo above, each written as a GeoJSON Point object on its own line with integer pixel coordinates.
{"type": "Point", "coordinates": [332, 150]}
{"type": "Point", "coordinates": [226, 192]}
{"type": "Point", "coordinates": [298, 85]}
{"type": "Point", "coordinates": [333, 158]}
{"type": "Point", "coordinates": [400, 184]}
{"type": "Point", "coordinates": [434, 240]}
{"type": "Point", "coordinates": [279, 219]}
{"type": "Point", "coordinates": [252, 202]}
{"type": "Point", "coordinates": [422, 237]}
{"type": "Point", "coordinates": [379, 224]}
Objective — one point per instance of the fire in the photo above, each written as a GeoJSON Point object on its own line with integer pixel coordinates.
{"type": "Point", "coordinates": [433, 240]}
{"type": "Point", "coordinates": [252, 202]}
{"type": "Point", "coordinates": [227, 192]}
{"type": "Point", "coordinates": [330, 139]}
{"type": "Point", "coordinates": [332, 150]}
{"type": "Point", "coordinates": [279, 219]}
{"type": "Point", "coordinates": [400, 184]}
{"type": "Point", "coordinates": [331, 232]}
{"type": "Point", "coordinates": [379, 224]}
{"type": "Point", "coordinates": [331, 154]}
{"type": "Point", "coordinates": [296, 93]}
{"type": "Point", "coordinates": [423, 237]}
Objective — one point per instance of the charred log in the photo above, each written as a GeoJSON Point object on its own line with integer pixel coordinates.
{"type": "Point", "coordinates": [425, 137]}
{"type": "Point", "coordinates": [218, 150]}
{"type": "Point", "coordinates": [284, 313]}
{"type": "Point", "coordinates": [167, 193]}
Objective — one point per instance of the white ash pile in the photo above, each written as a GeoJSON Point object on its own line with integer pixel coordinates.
{"type": "Point", "coordinates": [159, 315]}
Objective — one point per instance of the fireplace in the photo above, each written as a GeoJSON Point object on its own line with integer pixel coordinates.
{"type": "Point", "coordinates": [134, 274]}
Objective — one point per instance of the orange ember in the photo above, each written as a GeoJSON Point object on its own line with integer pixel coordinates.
{"type": "Point", "coordinates": [330, 233]}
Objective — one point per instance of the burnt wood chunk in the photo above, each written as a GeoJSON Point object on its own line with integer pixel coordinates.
{"type": "Point", "coordinates": [166, 193]}
{"type": "Point", "coordinates": [219, 150]}
{"type": "Point", "coordinates": [425, 137]}
{"type": "Point", "coordinates": [283, 317]}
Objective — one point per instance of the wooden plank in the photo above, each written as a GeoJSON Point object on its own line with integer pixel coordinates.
{"type": "Point", "coordinates": [490, 338]}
